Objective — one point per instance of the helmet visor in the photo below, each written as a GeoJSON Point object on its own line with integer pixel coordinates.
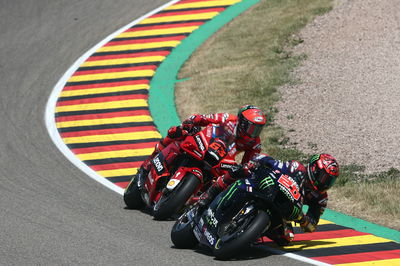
{"type": "Point", "coordinates": [250, 129]}
{"type": "Point", "coordinates": [254, 130]}
{"type": "Point", "coordinates": [323, 180]}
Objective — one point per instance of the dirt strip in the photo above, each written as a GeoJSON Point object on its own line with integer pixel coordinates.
{"type": "Point", "coordinates": [347, 100]}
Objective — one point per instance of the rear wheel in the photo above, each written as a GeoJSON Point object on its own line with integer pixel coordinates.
{"type": "Point", "coordinates": [241, 235]}
{"type": "Point", "coordinates": [132, 195]}
{"type": "Point", "coordinates": [172, 201]}
{"type": "Point", "coordinates": [182, 233]}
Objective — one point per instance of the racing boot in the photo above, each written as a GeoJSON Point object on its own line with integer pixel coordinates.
{"type": "Point", "coordinates": [282, 235]}
{"type": "Point", "coordinates": [217, 187]}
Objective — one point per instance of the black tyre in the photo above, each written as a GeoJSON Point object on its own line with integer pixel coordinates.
{"type": "Point", "coordinates": [132, 195]}
{"type": "Point", "coordinates": [245, 236]}
{"type": "Point", "coordinates": [173, 201]}
{"type": "Point", "coordinates": [182, 233]}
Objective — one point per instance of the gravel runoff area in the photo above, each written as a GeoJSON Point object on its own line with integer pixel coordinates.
{"type": "Point", "coordinates": [347, 98]}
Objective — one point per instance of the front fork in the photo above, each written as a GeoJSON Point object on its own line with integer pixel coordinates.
{"type": "Point", "coordinates": [240, 217]}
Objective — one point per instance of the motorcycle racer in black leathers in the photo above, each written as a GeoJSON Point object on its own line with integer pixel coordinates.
{"type": "Point", "coordinates": [317, 177]}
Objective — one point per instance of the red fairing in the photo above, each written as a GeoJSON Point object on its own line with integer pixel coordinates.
{"type": "Point", "coordinates": [196, 149]}
{"type": "Point", "coordinates": [182, 171]}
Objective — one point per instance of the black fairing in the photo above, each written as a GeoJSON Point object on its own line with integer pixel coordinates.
{"type": "Point", "coordinates": [266, 196]}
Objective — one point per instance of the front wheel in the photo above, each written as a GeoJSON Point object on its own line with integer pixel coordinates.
{"type": "Point", "coordinates": [245, 234]}
{"type": "Point", "coordinates": [132, 195]}
{"type": "Point", "coordinates": [182, 233]}
{"type": "Point", "coordinates": [174, 200]}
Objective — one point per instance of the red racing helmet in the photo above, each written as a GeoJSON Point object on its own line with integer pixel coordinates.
{"type": "Point", "coordinates": [251, 121]}
{"type": "Point", "coordinates": [323, 170]}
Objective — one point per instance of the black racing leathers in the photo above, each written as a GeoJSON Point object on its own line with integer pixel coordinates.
{"type": "Point", "coordinates": [315, 201]}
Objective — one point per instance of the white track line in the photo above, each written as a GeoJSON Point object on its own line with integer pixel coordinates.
{"type": "Point", "coordinates": [56, 138]}
{"type": "Point", "coordinates": [51, 105]}
{"type": "Point", "coordinates": [294, 256]}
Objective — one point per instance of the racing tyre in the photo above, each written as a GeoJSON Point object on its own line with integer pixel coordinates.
{"type": "Point", "coordinates": [244, 235]}
{"type": "Point", "coordinates": [182, 233]}
{"type": "Point", "coordinates": [132, 195]}
{"type": "Point", "coordinates": [174, 200]}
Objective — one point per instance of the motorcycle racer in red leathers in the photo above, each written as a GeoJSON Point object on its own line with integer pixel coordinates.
{"type": "Point", "coordinates": [240, 133]}
{"type": "Point", "coordinates": [318, 176]}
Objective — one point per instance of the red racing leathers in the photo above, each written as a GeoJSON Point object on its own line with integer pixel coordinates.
{"type": "Point", "coordinates": [220, 125]}
{"type": "Point", "coordinates": [224, 127]}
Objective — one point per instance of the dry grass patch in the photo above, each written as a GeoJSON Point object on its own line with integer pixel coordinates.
{"type": "Point", "coordinates": [373, 202]}
{"type": "Point", "coordinates": [370, 197]}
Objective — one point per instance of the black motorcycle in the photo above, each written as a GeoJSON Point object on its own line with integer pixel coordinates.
{"type": "Point", "coordinates": [241, 214]}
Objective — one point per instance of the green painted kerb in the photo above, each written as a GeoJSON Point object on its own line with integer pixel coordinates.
{"type": "Point", "coordinates": [163, 110]}
{"type": "Point", "coordinates": [161, 95]}
{"type": "Point", "coordinates": [361, 225]}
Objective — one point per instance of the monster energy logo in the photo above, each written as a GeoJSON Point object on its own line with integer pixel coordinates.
{"type": "Point", "coordinates": [295, 213]}
{"type": "Point", "coordinates": [266, 182]}
{"type": "Point", "coordinates": [230, 192]}
{"type": "Point", "coordinates": [211, 218]}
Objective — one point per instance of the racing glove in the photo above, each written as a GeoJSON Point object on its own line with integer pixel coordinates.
{"type": "Point", "coordinates": [252, 165]}
{"type": "Point", "coordinates": [237, 172]}
{"type": "Point", "coordinates": [187, 125]}
{"type": "Point", "coordinates": [177, 132]}
{"type": "Point", "coordinates": [308, 224]}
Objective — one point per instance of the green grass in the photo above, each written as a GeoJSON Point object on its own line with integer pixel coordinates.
{"type": "Point", "coordinates": [245, 63]}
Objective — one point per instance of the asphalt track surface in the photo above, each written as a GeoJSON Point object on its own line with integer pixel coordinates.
{"type": "Point", "coordinates": [51, 212]}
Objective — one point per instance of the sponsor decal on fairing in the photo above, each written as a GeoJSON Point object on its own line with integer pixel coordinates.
{"type": "Point", "coordinates": [249, 188]}
{"type": "Point", "coordinates": [173, 183]}
{"type": "Point", "coordinates": [228, 166]}
{"type": "Point", "coordinates": [158, 165]}
{"type": "Point", "coordinates": [199, 142]}
{"type": "Point", "coordinates": [198, 153]}
{"type": "Point", "coordinates": [197, 233]}
{"type": "Point", "coordinates": [209, 237]}
{"type": "Point", "coordinates": [211, 218]}
{"type": "Point", "coordinates": [197, 173]}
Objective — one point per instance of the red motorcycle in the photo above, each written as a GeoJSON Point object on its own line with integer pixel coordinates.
{"type": "Point", "coordinates": [179, 174]}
